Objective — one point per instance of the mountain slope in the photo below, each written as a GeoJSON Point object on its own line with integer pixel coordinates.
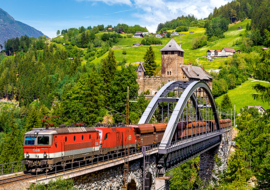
{"type": "Point", "coordinates": [10, 28]}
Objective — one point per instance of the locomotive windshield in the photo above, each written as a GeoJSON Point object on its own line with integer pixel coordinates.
{"type": "Point", "coordinates": [43, 140]}
{"type": "Point", "coordinates": [29, 141]}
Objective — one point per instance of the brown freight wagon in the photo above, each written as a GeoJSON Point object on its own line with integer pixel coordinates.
{"type": "Point", "coordinates": [144, 134]}
{"type": "Point", "coordinates": [159, 131]}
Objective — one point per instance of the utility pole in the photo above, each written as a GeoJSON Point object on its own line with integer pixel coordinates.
{"type": "Point", "coordinates": [234, 116]}
{"type": "Point", "coordinates": [126, 163]}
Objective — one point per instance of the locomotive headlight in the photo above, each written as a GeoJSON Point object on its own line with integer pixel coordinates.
{"type": "Point", "coordinates": [100, 145]}
{"type": "Point", "coordinates": [27, 155]}
{"type": "Point", "coordinates": [45, 155]}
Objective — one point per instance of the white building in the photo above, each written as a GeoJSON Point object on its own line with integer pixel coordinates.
{"type": "Point", "coordinates": [225, 52]}
{"type": "Point", "coordinates": [159, 36]}
{"type": "Point", "coordinates": [217, 53]}
{"type": "Point", "coordinates": [145, 33]}
{"type": "Point", "coordinates": [175, 34]}
{"type": "Point", "coordinates": [138, 35]}
{"type": "Point", "coordinates": [210, 53]}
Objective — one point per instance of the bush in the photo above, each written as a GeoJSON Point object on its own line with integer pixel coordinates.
{"type": "Point", "coordinates": [129, 36]}
{"type": "Point", "coordinates": [151, 40]}
{"type": "Point", "coordinates": [147, 92]}
{"type": "Point", "coordinates": [59, 184]}
{"type": "Point", "coordinates": [199, 42]}
{"type": "Point", "coordinates": [182, 29]}
{"type": "Point", "coordinates": [124, 52]}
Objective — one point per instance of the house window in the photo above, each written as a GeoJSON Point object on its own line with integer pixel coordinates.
{"type": "Point", "coordinates": [166, 52]}
{"type": "Point", "coordinates": [140, 74]}
{"type": "Point", "coordinates": [169, 73]}
{"type": "Point", "coordinates": [169, 80]}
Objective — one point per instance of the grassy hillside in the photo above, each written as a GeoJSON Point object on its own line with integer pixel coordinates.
{"type": "Point", "coordinates": [135, 54]}
{"type": "Point", "coordinates": [242, 95]}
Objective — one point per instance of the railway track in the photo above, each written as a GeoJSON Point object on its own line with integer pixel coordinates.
{"type": "Point", "coordinates": [16, 178]}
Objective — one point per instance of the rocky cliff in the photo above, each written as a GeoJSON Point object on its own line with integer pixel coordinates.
{"type": "Point", "coordinates": [10, 28]}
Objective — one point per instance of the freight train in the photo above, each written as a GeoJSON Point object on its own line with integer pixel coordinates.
{"type": "Point", "coordinates": [48, 147]}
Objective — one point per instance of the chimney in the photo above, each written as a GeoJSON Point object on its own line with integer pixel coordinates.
{"type": "Point", "coordinates": [190, 67]}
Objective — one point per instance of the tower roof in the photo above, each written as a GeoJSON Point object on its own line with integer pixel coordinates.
{"type": "Point", "coordinates": [172, 46]}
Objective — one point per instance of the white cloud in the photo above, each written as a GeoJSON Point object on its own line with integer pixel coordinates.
{"type": "Point", "coordinates": [111, 2]}
{"type": "Point", "coordinates": [160, 11]}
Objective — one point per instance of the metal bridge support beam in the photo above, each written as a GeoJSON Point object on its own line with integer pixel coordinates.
{"type": "Point", "coordinates": [207, 164]}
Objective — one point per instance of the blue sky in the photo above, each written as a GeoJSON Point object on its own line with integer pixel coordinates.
{"type": "Point", "coordinates": [50, 15]}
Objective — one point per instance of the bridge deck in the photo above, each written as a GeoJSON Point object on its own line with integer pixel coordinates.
{"type": "Point", "coordinates": [91, 168]}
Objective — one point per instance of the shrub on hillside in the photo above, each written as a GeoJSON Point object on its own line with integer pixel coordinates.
{"type": "Point", "coordinates": [182, 29]}
{"type": "Point", "coordinates": [199, 42]}
{"type": "Point", "coordinates": [151, 40]}
{"type": "Point", "coordinates": [129, 36]}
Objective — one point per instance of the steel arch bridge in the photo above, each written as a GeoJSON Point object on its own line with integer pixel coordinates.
{"type": "Point", "coordinates": [189, 102]}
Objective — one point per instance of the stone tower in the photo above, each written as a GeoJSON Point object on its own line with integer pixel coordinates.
{"type": "Point", "coordinates": [172, 69]}
{"type": "Point", "coordinates": [172, 58]}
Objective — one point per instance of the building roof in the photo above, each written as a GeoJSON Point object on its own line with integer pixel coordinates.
{"type": "Point", "coordinates": [137, 44]}
{"type": "Point", "coordinates": [211, 50]}
{"type": "Point", "coordinates": [218, 50]}
{"type": "Point", "coordinates": [196, 72]}
{"type": "Point", "coordinates": [258, 107]}
{"type": "Point", "coordinates": [265, 48]}
{"type": "Point", "coordinates": [138, 34]}
{"type": "Point", "coordinates": [172, 46]}
{"type": "Point", "coordinates": [140, 67]}
{"type": "Point", "coordinates": [229, 50]}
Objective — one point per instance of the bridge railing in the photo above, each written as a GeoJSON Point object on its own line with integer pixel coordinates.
{"type": "Point", "coordinates": [75, 166]}
{"type": "Point", "coordinates": [12, 167]}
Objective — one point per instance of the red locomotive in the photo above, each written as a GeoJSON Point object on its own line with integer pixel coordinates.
{"type": "Point", "coordinates": [47, 147]}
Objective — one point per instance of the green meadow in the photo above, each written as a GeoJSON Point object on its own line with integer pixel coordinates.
{"type": "Point", "coordinates": [241, 96]}
{"type": "Point", "coordinates": [135, 54]}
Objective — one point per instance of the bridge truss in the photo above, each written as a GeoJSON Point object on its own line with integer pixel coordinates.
{"type": "Point", "coordinates": [184, 102]}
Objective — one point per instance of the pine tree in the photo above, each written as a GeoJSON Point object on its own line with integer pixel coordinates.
{"type": "Point", "coordinates": [83, 102]}
{"type": "Point", "coordinates": [83, 40]}
{"type": "Point", "coordinates": [58, 32]}
{"type": "Point", "coordinates": [226, 103]}
{"type": "Point", "coordinates": [34, 119]}
{"type": "Point", "coordinates": [149, 62]}
{"type": "Point", "coordinates": [12, 146]}
{"type": "Point", "coordinates": [107, 73]}
{"type": "Point", "coordinates": [123, 78]}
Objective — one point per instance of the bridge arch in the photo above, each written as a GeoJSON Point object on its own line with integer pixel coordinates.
{"type": "Point", "coordinates": [179, 108]}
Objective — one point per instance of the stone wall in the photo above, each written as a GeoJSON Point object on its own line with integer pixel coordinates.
{"type": "Point", "coordinates": [149, 83]}
{"type": "Point", "coordinates": [112, 178]}
{"type": "Point", "coordinates": [209, 170]}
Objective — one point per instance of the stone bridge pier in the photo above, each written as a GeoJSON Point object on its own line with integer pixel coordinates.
{"type": "Point", "coordinates": [112, 178]}
{"type": "Point", "coordinates": [209, 169]}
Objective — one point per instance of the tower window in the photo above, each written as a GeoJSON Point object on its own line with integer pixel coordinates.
{"type": "Point", "coordinates": [169, 73]}
{"type": "Point", "coordinates": [140, 73]}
